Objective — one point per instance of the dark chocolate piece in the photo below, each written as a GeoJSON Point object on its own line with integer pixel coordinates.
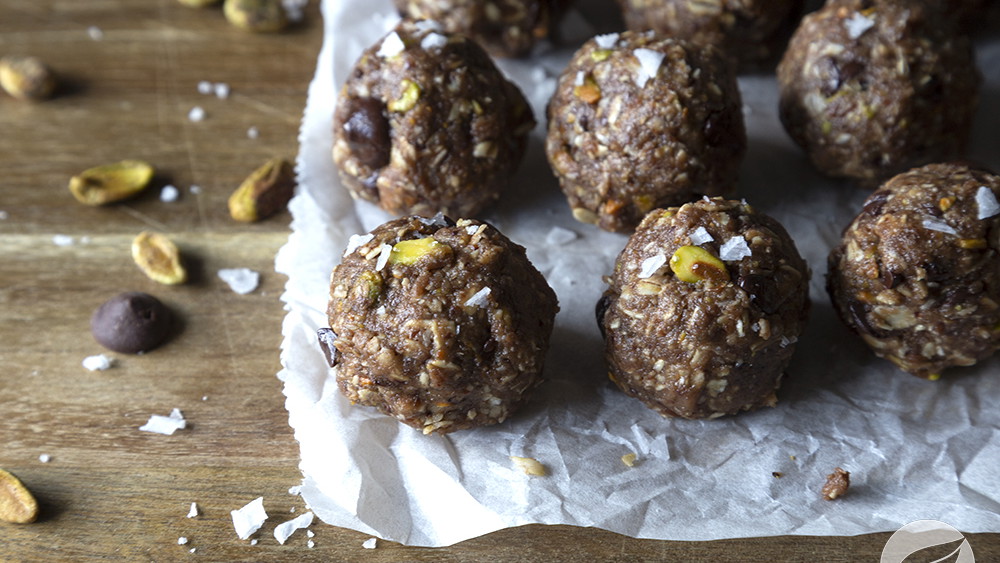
{"type": "Point", "coordinates": [131, 323]}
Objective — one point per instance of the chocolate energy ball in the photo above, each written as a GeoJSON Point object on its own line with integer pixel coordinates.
{"type": "Point", "coordinates": [917, 274]}
{"type": "Point", "coordinates": [131, 323]}
{"type": "Point", "coordinates": [427, 123]}
{"type": "Point", "coordinates": [748, 31]}
{"type": "Point", "coordinates": [639, 121]}
{"type": "Point", "coordinates": [703, 310]}
{"type": "Point", "coordinates": [444, 326]}
{"type": "Point", "coordinates": [505, 28]}
{"type": "Point", "coordinates": [870, 88]}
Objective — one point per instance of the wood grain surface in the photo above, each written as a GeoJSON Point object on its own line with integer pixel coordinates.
{"type": "Point", "coordinates": [109, 491]}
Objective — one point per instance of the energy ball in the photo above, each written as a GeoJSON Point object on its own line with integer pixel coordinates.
{"type": "Point", "coordinates": [426, 123]}
{"type": "Point", "coordinates": [870, 88]}
{"type": "Point", "coordinates": [443, 326]}
{"type": "Point", "coordinates": [917, 274]}
{"type": "Point", "coordinates": [639, 121]}
{"type": "Point", "coordinates": [131, 323]}
{"type": "Point", "coordinates": [505, 28]}
{"type": "Point", "coordinates": [748, 31]}
{"type": "Point", "coordinates": [703, 310]}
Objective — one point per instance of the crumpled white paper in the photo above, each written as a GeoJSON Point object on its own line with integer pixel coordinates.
{"type": "Point", "coordinates": [915, 449]}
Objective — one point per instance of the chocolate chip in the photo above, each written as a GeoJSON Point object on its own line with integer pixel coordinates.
{"type": "Point", "coordinates": [131, 322]}
{"type": "Point", "coordinates": [600, 310]}
{"type": "Point", "coordinates": [875, 203]}
{"type": "Point", "coordinates": [763, 292]}
{"type": "Point", "coordinates": [719, 128]}
{"type": "Point", "coordinates": [326, 338]}
{"type": "Point", "coordinates": [891, 279]}
{"type": "Point", "coordinates": [367, 131]}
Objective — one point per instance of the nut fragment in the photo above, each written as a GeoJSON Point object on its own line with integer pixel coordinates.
{"type": "Point", "coordinates": [17, 504]}
{"type": "Point", "coordinates": [406, 100]}
{"type": "Point", "coordinates": [629, 459]}
{"type": "Point", "coordinates": [265, 192]}
{"type": "Point", "coordinates": [158, 257]}
{"type": "Point", "coordinates": [693, 264]}
{"type": "Point", "coordinates": [529, 465]}
{"type": "Point", "coordinates": [410, 251]}
{"type": "Point", "coordinates": [26, 78]}
{"type": "Point", "coordinates": [111, 182]}
{"type": "Point", "coordinates": [836, 484]}
{"type": "Point", "coordinates": [589, 92]}
{"type": "Point", "coordinates": [258, 16]}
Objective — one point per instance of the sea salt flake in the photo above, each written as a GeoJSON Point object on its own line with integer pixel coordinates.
{"type": "Point", "coordinates": [98, 362]}
{"type": "Point", "coordinates": [858, 24]}
{"type": "Point", "coordinates": [295, 490]}
{"type": "Point", "coordinates": [310, 544]}
{"type": "Point", "coordinates": [169, 193]}
{"type": "Point", "coordinates": [45, 458]}
{"type": "Point", "coordinates": [423, 26]}
{"type": "Point", "coordinates": [166, 425]}
{"type": "Point", "coordinates": [734, 249]}
{"type": "Point", "coordinates": [701, 236]}
{"type": "Point", "coordinates": [649, 65]}
{"type": "Point", "coordinates": [221, 90]}
{"type": "Point", "coordinates": [383, 257]}
{"type": "Point", "coordinates": [986, 200]}
{"type": "Point", "coordinates": [196, 114]}
{"type": "Point", "coordinates": [370, 543]}
{"type": "Point", "coordinates": [95, 33]}
{"type": "Point", "coordinates": [193, 511]}
{"type": "Point", "coordinates": [433, 41]}
{"type": "Point", "coordinates": [284, 530]}
{"type": "Point", "coordinates": [204, 87]}
{"type": "Point", "coordinates": [559, 236]}
{"type": "Point", "coordinates": [240, 280]}
{"type": "Point", "coordinates": [606, 41]}
{"type": "Point", "coordinates": [182, 540]}
{"type": "Point", "coordinates": [62, 240]}
{"type": "Point", "coordinates": [478, 299]}
{"type": "Point", "coordinates": [253, 133]}
{"type": "Point", "coordinates": [472, 229]}
{"type": "Point", "coordinates": [580, 78]}
{"type": "Point", "coordinates": [253, 542]}
{"type": "Point", "coordinates": [250, 518]}
{"type": "Point", "coordinates": [391, 46]}
{"type": "Point", "coordinates": [939, 226]}
{"type": "Point", "coordinates": [355, 241]}
{"type": "Point", "coordinates": [652, 265]}
{"type": "Point", "coordinates": [310, 534]}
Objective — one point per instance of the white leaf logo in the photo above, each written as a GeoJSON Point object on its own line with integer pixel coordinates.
{"type": "Point", "coordinates": [927, 541]}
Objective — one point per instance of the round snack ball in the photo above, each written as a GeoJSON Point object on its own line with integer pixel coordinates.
{"type": "Point", "coordinates": [703, 310]}
{"type": "Point", "coordinates": [748, 31]}
{"type": "Point", "coordinates": [131, 322]}
{"type": "Point", "coordinates": [505, 28]}
{"type": "Point", "coordinates": [640, 121]}
{"type": "Point", "coordinates": [917, 274]}
{"type": "Point", "coordinates": [870, 88]}
{"type": "Point", "coordinates": [426, 123]}
{"type": "Point", "coordinates": [443, 326]}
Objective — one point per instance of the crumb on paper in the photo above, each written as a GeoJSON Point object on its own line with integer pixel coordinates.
{"type": "Point", "coordinates": [250, 518]}
{"type": "Point", "coordinates": [836, 484]}
{"type": "Point", "coordinates": [165, 425]}
{"type": "Point", "coordinates": [196, 114]}
{"type": "Point", "coordinates": [629, 459]}
{"type": "Point", "coordinates": [95, 33]}
{"type": "Point", "coordinates": [777, 474]}
{"type": "Point", "coordinates": [182, 540]}
{"type": "Point", "coordinates": [284, 530]}
{"type": "Point", "coordinates": [45, 458]}
{"type": "Point", "coordinates": [169, 193]}
{"type": "Point", "coordinates": [193, 511]}
{"type": "Point", "coordinates": [98, 362]}
{"type": "Point", "coordinates": [240, 280]}
{"type": "Point", "coordinates": [62, 240]}
{"type": "Point", "coordinates": [529, 465]}
{"type": "Point", "coordinates": [370, 543]}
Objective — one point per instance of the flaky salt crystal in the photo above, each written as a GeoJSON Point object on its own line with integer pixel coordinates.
{"type": "Point", "coordinates": [221, 90]}
{"type": "Point", "coordinates": [165, 425]}
{"type": "Point", "coordinates": [169, 193]}
{"type": "Point", "coordinates": [357, 240]}
{"type": "Point", "coordinates": [606, 41]}
{"type": "Point", "coordinates": [433, 41]}
{"type": "Point", "coordinates": [939, 226]}
{"type": "Point", "coordinates": [472, 229]}
{"type": "Point", "coordinates": [580, 78]}
{"type": "Point", "coordinates": [734, 249]}
{"type": "Point", "coordinates": [295, 490]}
{"type": "Point", "coordinates": [649, 65]}
{"type": "Point", "coordinates": [701, 236]}
{"type": "Point", "coordinates": [857, 25]}
{"type": "Point", "coordinates": [478, 299]}
{"type": "Point", "coordinates": [182, 540]}
{"type": "Point", "coordinates": [193, 511]}
{"type": "Point", "coordinates": [240, 280]}
{"type": "Point", "coordinates": [284, 530]}
{"type": "Point", "coordinates": [652, 265]}
{"type": "Point", "coordinates": [310, 544]}
{"type": "Point", "coordinates": [196, 114]}
{"type": "Point", "coordinates": [391, 46]}
{"type": "Point", "coordinates": [986, 200]}
{"type": "Point", "coordinates": [370, 543]}
{"type": "Point", "coordinates": [383, 257]}
{"type": "Point", "coordinates": [45, 458]}
{"type": "Point", "coordinates": [250, 518]}
{"type": "Point", "coordinates": [99, 362]}
{"type": "Point", "coordinates": [204, 87]}
{"type": "Point", "coordinates": [559, 236]}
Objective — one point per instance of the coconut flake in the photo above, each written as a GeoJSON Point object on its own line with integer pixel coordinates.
{"type": "Point", "coordinates": [939, 226]}
{"type": "Point", "coordinates": [649, 65]}
{"type": "Point", "coordinates": [165, 425]}
{"type": "Point", "coordinates": [62, 240]}
{"type": "Point", "coordinates": [99, 362]}
{"type": "Point", "coordinates": [478, 299]}
{"type": "Point", "coordinates": [196, 114]}
{"type": "Point", "coordinates": [169, 193]}
{"type": "Point", "coordinates": [284, 530]}
{"type": "Point", "coordinates": [391, 46]}
{"type": "Point", "coordinates": [433, 41]}
{"type": "Point", "coordinates": [250, 518]}
{"type": "Point", "coordinates": [701, 236]}
{"type": "Point", "coordinates": [652, 265]}
{"type": "Point", "coordinates": [383, 257]}
{"type": "Point", "coordinates": [858, 24]}
{"type": "Point", "coordinates": [370, 543]}
{"type": "Point", "coordinates": [986, 200]}
{"type": "Point", "coordinates": [559, 236]}
{"type": "Point", "coordinates": [734, 249]}
{"type": "Point", "coordinates": [355, 241]}
{"type": "Point", "coordinates": [606, 41]}
{"type": "Point", "coordinates": [240, 280]}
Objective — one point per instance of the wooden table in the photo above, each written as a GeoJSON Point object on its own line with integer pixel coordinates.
{"type": "Point", "coordinates": [109, 491]}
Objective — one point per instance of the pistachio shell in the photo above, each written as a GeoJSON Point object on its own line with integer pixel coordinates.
{"type": "Point", "coordinates": [111, 182]}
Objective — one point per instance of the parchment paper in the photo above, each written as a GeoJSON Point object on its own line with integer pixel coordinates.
{"type": "Point", "coordinates": [915, 449]}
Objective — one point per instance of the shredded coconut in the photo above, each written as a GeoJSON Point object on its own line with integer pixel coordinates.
{"type": "Point", "coordinates": [253, 133]}
{"type": "Point", "coordinates": [196, 114]}
{"type": "Point", "coordinates": [169, 193]}
{"type": "Point", "coordinates": [649, 65]}
{"type": "Point", "coordinates": [606, 41]}
{"type": "Point", "coordinates": [45, 458]}
{"type": "Point", "coordinates": [559, 236]}
{"type": "Point", "coordinates": [193, 511]}
{"type": "Point", "coordinates": [478, 299]}
{"type": "Point", "coordinates": [62, 240]}
{"type": "Point", "coordinates": [986, 200]}
{"type": "Point", "coordinates": [165, 425]}
{"type": "Point", "coordinates": [357, 240]}
{"type": "Point", "coordinates": [701, 236]}
{"type": "Point", "coordinates": [652, 265]}
{"type": "Point", "coordinates": [95, 33]}
{"type": "Point", "coordinates": [221, 90]}
{"type": "Point", "coordinates": [383, 257]}
{"type": "Point", "coordinates": [240, 280]}
{"type": "Point", "coordinates": [98, 362]}
{"type": "Point", "coordinates": [939, 226]}
{"type": "Point", "coordinates": [284, 530]}
{"type": "Point", "coordinates": [391, 46]}
{"type": "Point", "coordinates": [858, 24]}
{"type": "Point", "coordinates": [734, 249]}
{"type": "Point", "coordinates": [433, 41]}
{"type": "Point", "coordinates": [370, 543]}
{"type": "Point", "coordinates": [204, 87]}
{"type": "Point", "coordinates": [250, 518]}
